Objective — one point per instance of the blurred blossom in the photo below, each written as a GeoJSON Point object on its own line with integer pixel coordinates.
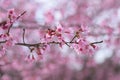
{"type": "Point", "coordinates": [40, 39]}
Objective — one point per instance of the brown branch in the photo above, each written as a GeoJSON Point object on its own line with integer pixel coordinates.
{"type": "Point", "coordinates": [52, 42]}
{"type": "Point", "coordinates": [43, 43]}
{"type": "Point", "coordinates": [3, 41]}
{"type": "Point", "coordinates": [73, 38]}
{"type": "Point", "coordinates": [37, 44]}
{"type": "Point", "coordinates": [21, 15]}
{"type": "Point", "coordinates": [23, 35]}
{"type": "Point", "coordinates": [9, 29]}
{"type": "Point", "coordinates": [96, 42]}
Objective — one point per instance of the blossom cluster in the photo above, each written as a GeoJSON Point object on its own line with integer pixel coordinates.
{"type": "Point", "coordinates": [58, 35]}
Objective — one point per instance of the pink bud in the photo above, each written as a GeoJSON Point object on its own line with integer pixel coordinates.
{"type": "Point", "coordinates": [59, 28]}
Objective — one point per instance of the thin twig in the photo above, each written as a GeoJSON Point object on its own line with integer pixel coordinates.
{"type": "Point", "coordinates": [21, 15]}
{"type": "Point", "coordinates": [73, 38]}
{"type": "Point", "coordinates": [9, 29]}
{"type": "Point", "coordinates": [96, 42]}
{"type": "Point", "coordinates": [23, 35]}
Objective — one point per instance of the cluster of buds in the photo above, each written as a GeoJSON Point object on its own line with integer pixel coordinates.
{"type": "Point", "coordinates": [6, 38]}
{"type": "Point", "coordinates": [12, 15]}
{"type": "Point", "coordinates": [11, 19]}
{"type": "Point", "coordinates": [57, 32]}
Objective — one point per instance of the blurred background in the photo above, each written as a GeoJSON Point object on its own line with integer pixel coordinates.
{"type": "Point", "coordinates": [102, 17]}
